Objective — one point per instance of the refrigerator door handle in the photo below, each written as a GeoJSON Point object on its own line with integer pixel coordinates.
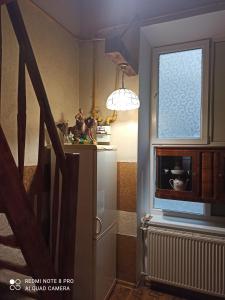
{"type": "Point", "coordinates": [99, 221]}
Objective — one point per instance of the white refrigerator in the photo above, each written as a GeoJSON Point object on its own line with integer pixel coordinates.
{"type": "Point", "coordinates": [95, 257]}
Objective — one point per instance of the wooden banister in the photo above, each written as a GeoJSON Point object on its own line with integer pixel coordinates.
{"type": "Point", "coordinates": [2, 2]}
{"type": "Point", "coordinates": [0, 54]}
{"type": "Point", "coordinates": [21, 218]}
{"type": "Point", "coordinates": [21, 116]}
{"type": "Point", "coordinates": [68, 217]}
{"type": "Point", "coordinates": [40, 168]}
{"type": "Point", "coordinates": [35, 76]}
{"type": "Point", "coordinates": [55, 212]}
{"type": "Point", "coordinates": [14, 200]}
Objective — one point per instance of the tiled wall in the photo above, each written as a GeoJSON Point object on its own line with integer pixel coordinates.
{"type": "Point", "coordinates": [127, 225]}
{"type": "Point", "coordinates": [126, 199]}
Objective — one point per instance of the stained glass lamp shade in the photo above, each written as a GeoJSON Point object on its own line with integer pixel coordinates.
{"type": "Point", "coordinates": [122, 99]}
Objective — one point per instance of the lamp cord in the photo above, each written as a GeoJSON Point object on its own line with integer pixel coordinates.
{"type": "Point", "coordinates": [122, 79]}
{"type": "Point", "coordinates": [123, 67]}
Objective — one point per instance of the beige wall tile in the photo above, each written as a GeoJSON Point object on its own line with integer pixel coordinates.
{"type": "Point", "coordinates": [127, 186]}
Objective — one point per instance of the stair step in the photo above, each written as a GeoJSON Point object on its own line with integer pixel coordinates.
{"type": "Point", "coordinates": [9, 241]}
{"type": "Point", "coordinates": [2, 211]}
{"type": "Point", "coordinates": [5, 228]}
{"type": "Point", "coordinates": [13, 255]}
{"type": "Point", "coordinates": [14, 267]}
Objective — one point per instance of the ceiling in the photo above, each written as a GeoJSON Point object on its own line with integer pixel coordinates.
{"type": "Point", "coordinates": [87, 17]}
{"type": "Point", "coordinates": [206, 26]}
{"type": "Point", "coordinates": [65, 12]}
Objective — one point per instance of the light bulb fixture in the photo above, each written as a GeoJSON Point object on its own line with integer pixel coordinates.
{"type": "Point", "coordinates": [123, 99]}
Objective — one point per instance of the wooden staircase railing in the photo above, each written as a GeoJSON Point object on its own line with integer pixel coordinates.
{"type": "Point", "coordinates": [4, 1]}
{"type": "Point", "coordinates": [16, 203]}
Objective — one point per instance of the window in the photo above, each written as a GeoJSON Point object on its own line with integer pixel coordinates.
{"type": "Point", "coordinates": [179, 107]}
{"type": "Point", "coordinates": [180, 94]}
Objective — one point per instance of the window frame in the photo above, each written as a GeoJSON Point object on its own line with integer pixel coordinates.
{"type": "Point", "coordinates": [205, 46]}
{"type": "Point", "coordinates": [155, 141]}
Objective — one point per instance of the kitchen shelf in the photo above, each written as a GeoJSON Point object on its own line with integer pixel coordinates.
{"type": "Point", "coordinates": [192, 174]}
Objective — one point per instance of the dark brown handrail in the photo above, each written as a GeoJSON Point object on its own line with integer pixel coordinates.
{"type": "Point", "coordinates": [35, 76]}
{"type": "Point", "coordinates": [5, 1]}
{"type": "Point", "coordinates": [21, 217]}
{"type": "Point", "coordinates": [21, 116]}
{"type": "Point", "coordinates": [68, 221]}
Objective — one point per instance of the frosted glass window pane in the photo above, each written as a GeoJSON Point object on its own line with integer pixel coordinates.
{"type": "Point", "coordinates": [179, 94]}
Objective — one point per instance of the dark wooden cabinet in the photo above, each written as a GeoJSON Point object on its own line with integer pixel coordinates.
{"type": "Point", "coordinates": [192, 174]}
{"type": "Point", "coordinates": [219, 176]}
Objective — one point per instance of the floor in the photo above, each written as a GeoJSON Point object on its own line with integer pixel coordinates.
{"type": "Point", "coordinates": [143, 293]}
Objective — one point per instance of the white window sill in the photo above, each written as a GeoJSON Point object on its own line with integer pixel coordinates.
{"type": "Point", "coordinates": [189, 224]}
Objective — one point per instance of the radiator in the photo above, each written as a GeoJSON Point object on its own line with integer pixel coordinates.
{"type": "Point", "coordinates": [187, 260]}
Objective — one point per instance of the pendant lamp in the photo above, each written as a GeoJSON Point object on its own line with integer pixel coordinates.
{"type": "Point", "coordinates": [123, 99]}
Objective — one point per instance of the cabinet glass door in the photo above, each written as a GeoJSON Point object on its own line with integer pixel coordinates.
{"type": "Point", "coordinates": [176, 174]}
